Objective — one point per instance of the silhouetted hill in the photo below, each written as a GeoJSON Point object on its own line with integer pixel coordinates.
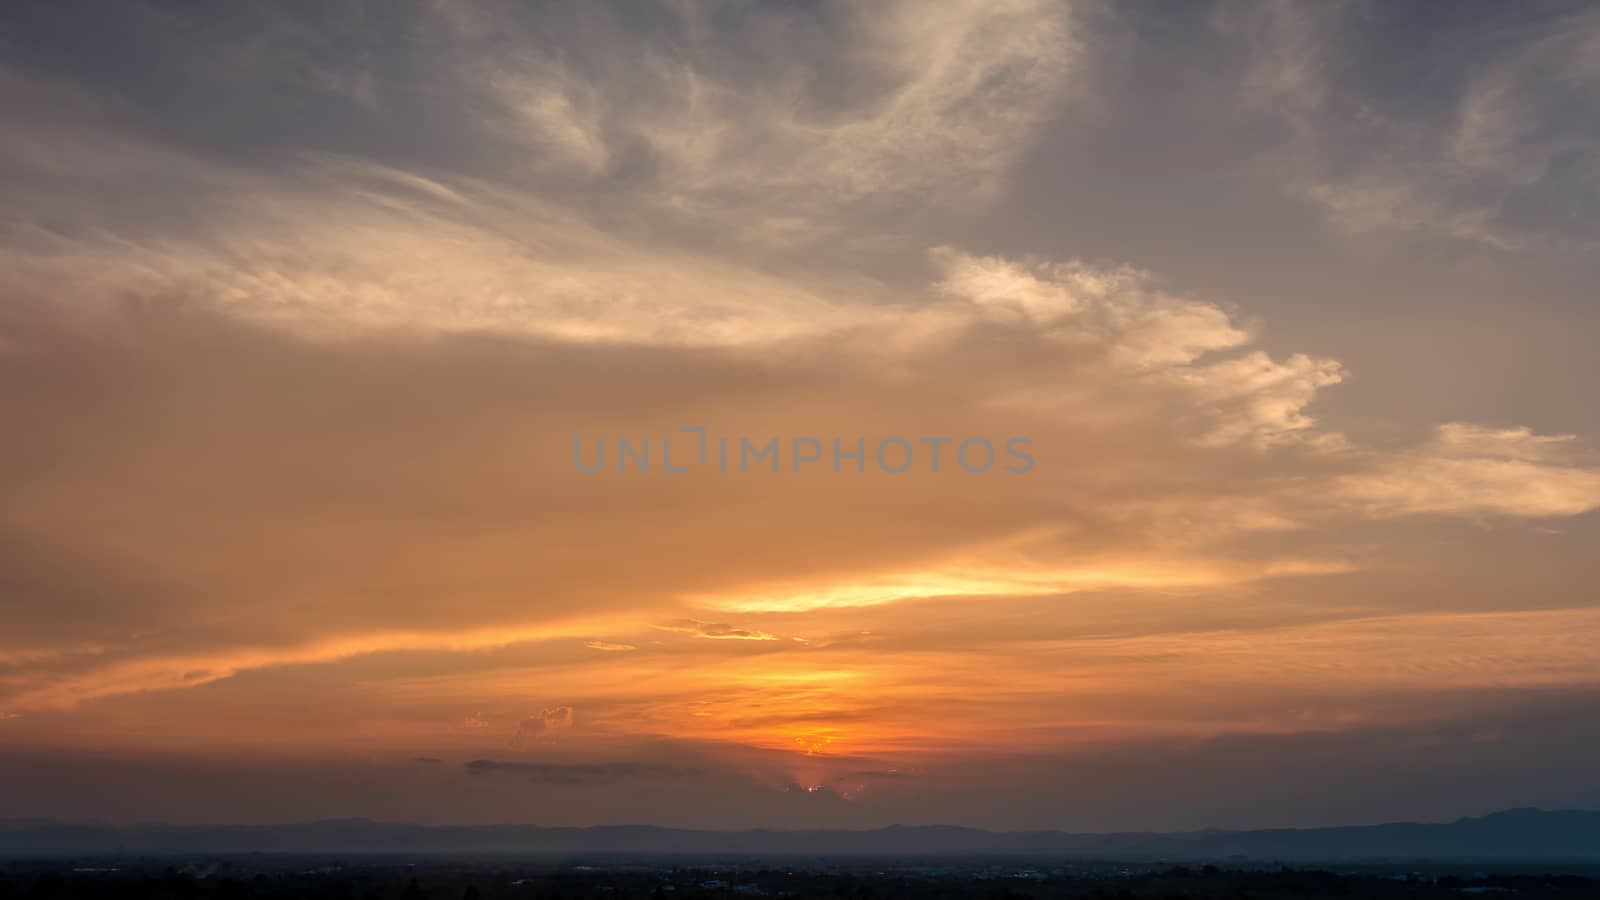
{"type": "Point", "coordinates": [1519, 835]}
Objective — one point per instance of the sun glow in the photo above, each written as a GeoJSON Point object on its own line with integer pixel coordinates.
{"type": "Point", "coordinates": [1159, 574]}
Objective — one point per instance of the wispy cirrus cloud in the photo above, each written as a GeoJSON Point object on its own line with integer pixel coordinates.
{"type": "Point", "coordinates": [1491, 148]}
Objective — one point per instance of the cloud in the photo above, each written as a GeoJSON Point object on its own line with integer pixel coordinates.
{"type": "Point", "coordinates": [820, 111]}
{"type": "Point", "coordinates": [885, 773]}
{"type": "Point", "coordinates": [716, 630]}
{"type": "Point", "coordinates": [546, 724]}
{"type": "Point", "coordinates": [580, 773]}
{"type": "Point", "coordinates": [1161, 448]}
{"type": "Point", "coordinates": [1117, 308]}
{"type": "Point", "coordinates": [1136, 331]}
{"type": "Point", "coordinates": [1159, 452]}
{"type": "Point", "coordinates": [781, 145]}
{"type": "Point", "coordinates": [298, 390]}
{"type": "Point", "coordinates": [1498, 151]}
{"type": "Point", "coordinates": [1474, 470]}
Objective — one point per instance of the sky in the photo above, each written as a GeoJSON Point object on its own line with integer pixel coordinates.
{"type": "Point", "coordinates": [314, 316]}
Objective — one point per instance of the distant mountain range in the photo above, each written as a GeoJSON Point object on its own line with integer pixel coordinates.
{"type": "Point", "coordinates": [1517, 835]}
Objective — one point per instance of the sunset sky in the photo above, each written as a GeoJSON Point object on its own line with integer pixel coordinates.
{"type": "Point", "coordinates": [303, 307]}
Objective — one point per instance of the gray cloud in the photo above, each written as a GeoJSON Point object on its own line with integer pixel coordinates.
{"type": "Point", "coordinates": [580, 773]}
{"type": "Point", "coordinates": [1481, 129]}
{"type": "Point", "coordinates": [550, 722]}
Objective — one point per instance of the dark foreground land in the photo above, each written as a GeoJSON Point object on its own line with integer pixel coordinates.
{"type": "Point", "coordinates": [321, 878]}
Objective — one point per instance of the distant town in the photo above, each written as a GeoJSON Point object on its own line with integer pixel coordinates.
{"type": "Point", "coordinates": [319, 878]}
